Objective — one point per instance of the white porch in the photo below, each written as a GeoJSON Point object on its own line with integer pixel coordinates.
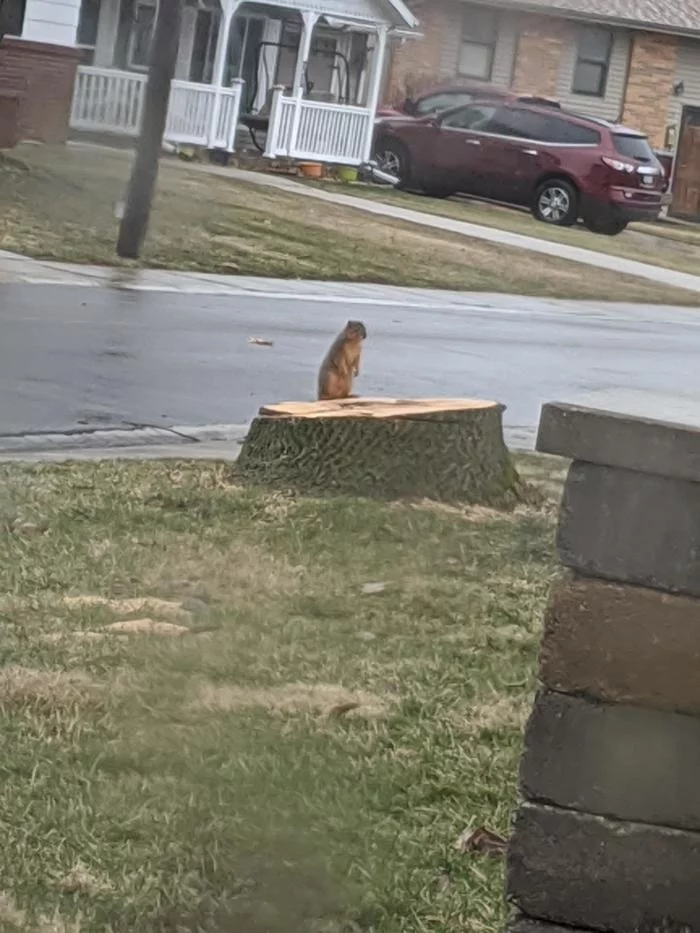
{"type": "Point", "coordinates": [310, 77]}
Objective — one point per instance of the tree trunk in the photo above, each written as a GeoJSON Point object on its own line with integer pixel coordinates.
{"type": "Point", "coordinates": [166, 38]}
{"type": "Point", "coordinates": [442, 449]}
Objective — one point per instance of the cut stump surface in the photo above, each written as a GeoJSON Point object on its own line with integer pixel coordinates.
{"type": "Point", "coordinates": [450, 450]}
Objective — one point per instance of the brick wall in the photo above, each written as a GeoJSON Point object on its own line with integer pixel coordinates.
{"type": "Point", "coordinates": [649, 87]}
{"type": "Point", "coordinates": [541, 45]}
{"type": "Point", "coordinates": [44, 75]}
{"type": "Point", "coordinates": [415, 63]}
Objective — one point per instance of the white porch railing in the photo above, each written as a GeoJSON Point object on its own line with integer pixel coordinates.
{"type": "Point", "coordinates": [309, 129]}
{"type": "Point", "coordinates": [110, 101]}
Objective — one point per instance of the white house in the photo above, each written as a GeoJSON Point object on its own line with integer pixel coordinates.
{"type": "Point", "coordinates": [313, 67]}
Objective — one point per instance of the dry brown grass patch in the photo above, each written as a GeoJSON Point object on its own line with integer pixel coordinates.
{"type": "Point", "coordinates": [240, 571]}
{"type": "Point", "coordinates": [136, 604]}
{"type": "Point", "coordinates": [144, 627]}
{"type": "Point", "coordinates": [80, 880]}
{"type": "Point", "coordinates": [505, 712]}
{"type": "Point", "coordinates": [14, 920]}
{"type": "Point", "coordinates": [49, 689]}
{"type": "Point", "coordinates": [321, 699]}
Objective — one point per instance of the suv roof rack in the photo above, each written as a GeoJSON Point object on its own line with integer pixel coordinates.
{"type": "Point", "coordinates": [539, 101]}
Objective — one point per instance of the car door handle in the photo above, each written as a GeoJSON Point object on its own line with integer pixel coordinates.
{"type": "Point", "coordinates": [530, 152]}
{"type": "Point", "coordinates": [472, 142]}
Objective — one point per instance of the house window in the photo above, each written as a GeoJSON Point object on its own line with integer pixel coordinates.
{"type": "Point", "coordinates": [12, 17]}
{"type": "Point", "coordinates": [593, 52]}
{"type": "Point", "coordinates": [141, 34]}
{"type": "Point", "coordinates": [87, 28]}
{"type": "Point", "coordinates": [478, 46]}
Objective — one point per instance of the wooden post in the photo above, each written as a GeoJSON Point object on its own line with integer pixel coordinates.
{"type": "Point", "coordinates": [374, 89]}
{"type": "Point", "coordinates": [273, 145]}
{"type": "Point", "coordinates": [139, 198]}
{"type": "Point", "coordinates": [310, 20]}
{"type": "Point", "coordinates": [228, 12]}
{"type": "Point", "coordinates": [607, 836]}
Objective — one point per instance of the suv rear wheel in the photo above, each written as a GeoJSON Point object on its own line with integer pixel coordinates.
{"type": "Point", "coordinates": [606, 227]}
{"type": "Point", "coordinates": [556, 202]}
{"type": "Point", "coordinates": [392, 157]}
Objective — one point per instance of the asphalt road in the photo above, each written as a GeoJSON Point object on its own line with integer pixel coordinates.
{"type": "Point", "coordinates": [98, 357]}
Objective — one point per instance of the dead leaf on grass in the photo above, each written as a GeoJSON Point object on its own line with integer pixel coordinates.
{"type": "Point", "coordinates": [324, 699]}
{"type": "Point", "coordinates": [481, 841]}
{"type": "Point", "coordinates": [145, 627]}
{"type": "Point", "coordinates": [372, 589]}
{"type": "Point", "coordinates": [80, 880]}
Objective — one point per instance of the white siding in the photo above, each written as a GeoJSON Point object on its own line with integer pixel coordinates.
{"type": "Point", "coordinates": [504, 55]}
{"type": "Point", "coordinates": [52, 21]}
{"type": "Point", "coordinates": [608, 107]}
{"type": "Point", "coordinates": [687, 71]}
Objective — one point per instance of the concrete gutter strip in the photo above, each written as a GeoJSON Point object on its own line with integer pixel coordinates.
{"type": "Point", "coordinates": [108, 439]}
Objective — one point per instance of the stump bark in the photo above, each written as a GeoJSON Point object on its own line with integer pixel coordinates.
{"type": "Point", "coordinates": [449, 450]}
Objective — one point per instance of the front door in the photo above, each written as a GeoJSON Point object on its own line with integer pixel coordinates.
{"type": "Point", "coordinates": [512, 155]}
{"type": "Point", "coordinates": [459, 147]}
{"type": "Point", "coordinates": [685, 198]}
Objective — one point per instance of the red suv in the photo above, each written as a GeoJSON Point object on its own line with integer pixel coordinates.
{"type": "Point", "coordinates": [563, 165]}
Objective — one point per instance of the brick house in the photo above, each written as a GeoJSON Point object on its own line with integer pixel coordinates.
{"type": "Point", "coordinates": [634, 61]}
{"type": "Point", "coordinates": [314, 68]}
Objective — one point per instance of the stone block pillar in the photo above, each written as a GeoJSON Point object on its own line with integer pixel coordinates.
{"type": "Point", "coordinates": [608, 834]}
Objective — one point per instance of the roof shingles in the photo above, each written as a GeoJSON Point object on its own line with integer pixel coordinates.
{"type": "Point", "coordinates": [668, 15]}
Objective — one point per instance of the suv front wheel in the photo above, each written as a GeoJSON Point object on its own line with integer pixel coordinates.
{"type": "Point", "coordinates": [392, 156]}
{"type": "Point", "coordinates": [556, 202]}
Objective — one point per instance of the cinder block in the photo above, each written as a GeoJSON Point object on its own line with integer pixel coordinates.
{"type": "Point", "coordinates": [626, 644]}
{"type": "Point", "coordinates": [623, 762]}
{"type": "Point", "coordinates": [631, 527]}
{"type": "Point", "coordinates": [586, 871]}
{"type": "Point", "coordinates": [610, 439]}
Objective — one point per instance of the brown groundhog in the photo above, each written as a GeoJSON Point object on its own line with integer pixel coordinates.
{"type": "Point", "coordinates": [342, 362]}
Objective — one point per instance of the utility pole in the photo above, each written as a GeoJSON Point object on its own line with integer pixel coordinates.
{"type": "Point", "coordinates": [139, 197]}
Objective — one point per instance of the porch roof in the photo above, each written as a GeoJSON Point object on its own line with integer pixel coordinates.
{"type": "Point", "coordinates": [392, 13]}
{"type": "Point", "coordinates": [678, 17]}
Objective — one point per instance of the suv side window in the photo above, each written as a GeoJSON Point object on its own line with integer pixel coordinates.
{"type": "Point", "coordinates": [437, 102]}
{"type": "Point", "coordinates": [509, 121]}
{"type": "Point", "coordinates": [472, 117]}
{"type": "Point", "coordinates": [557, 130]}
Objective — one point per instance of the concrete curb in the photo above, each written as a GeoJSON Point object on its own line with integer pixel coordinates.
{"type": "Point", "coordinates": [181, 436]}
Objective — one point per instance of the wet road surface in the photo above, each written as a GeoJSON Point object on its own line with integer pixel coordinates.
{"type": "Point", "coordinates": [99, 357]}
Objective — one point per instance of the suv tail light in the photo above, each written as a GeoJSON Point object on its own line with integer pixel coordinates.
{"type": "Point", "coordinates": [618, 165]}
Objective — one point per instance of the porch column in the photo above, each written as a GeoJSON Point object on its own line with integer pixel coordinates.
{"type": "Point", "coordinates": [310, 20]}
{"type": "Point", "coordinates": [375, 83]}
{"type": "Point", "coordinates": [228, 11]}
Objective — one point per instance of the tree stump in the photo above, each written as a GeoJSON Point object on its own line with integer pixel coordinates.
{"type": "Point", "coordinates": [449, 450]}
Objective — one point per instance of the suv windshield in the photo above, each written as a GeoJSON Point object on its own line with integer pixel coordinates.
{"type": "Point", "coordinates": [634, 147]}
{"type": "Point", "coordinates": [434, 103]}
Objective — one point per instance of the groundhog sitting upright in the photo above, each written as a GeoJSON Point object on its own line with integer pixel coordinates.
{"type": "Point", "coordinates": [342, 362]}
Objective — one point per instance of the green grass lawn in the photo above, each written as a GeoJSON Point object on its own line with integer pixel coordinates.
{"type": "Point", "coordinates": [266, 747]}
{"type": "Point", "coordinates": [59, 204]}
{"type": "Point", "coordinates": [670, 245]}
